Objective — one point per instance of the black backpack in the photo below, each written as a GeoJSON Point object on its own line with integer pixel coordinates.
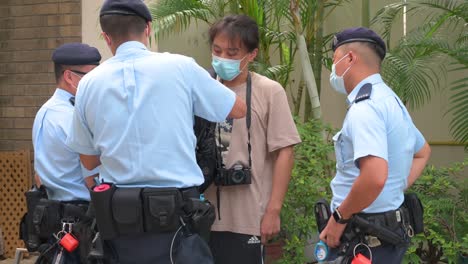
{"type": "Point", "coordinates": [205, 151]}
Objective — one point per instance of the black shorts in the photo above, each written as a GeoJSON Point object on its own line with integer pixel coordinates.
{"type": "Point", "coordinates": [234, 248]}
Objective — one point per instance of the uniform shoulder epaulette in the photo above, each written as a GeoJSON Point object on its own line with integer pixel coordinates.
{"type": "Point", "coordinates": [364, 93]}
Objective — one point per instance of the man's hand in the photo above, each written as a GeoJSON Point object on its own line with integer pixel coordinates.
{"type": "Point", "coordinates": [270, 226]}
{"type": "Point", "coordinates": [331, 234]}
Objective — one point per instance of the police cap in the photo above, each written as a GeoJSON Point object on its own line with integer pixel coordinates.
{"type": "Point", "coordinates": [126, 8]}
{"type": "Point", "coordinates": [360, 34]}
{"type": "Point", "coordinates": [76, 54]}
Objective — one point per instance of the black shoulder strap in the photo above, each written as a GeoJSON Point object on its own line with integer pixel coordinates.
{"type": "Point", "coordinates": [248, 99]}
{"type": "Point", "coordinates": [364, 93]}
{"type": "Point", "coordinates": [212, 72]}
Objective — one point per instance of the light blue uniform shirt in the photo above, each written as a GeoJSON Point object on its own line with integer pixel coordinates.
{"type": "Point", "coordinates": [57, 165]}
{"type": "Point", "coordinates": [382, 127]}
{"type": "Point", "coordinates": [136, 111]}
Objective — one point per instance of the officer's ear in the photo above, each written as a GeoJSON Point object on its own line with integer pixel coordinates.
{"type": "Point", "coordinates": [107, 39]}
{"type": "Point", "coordinates": [67, 76]}
{"type": "Point", "coordinates": [148, 29]}
{"type": "Point", "coordinates": [352, 58]}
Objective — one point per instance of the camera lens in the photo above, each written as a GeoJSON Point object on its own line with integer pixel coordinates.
{"type": "Point", "coordinates": [238, 176]}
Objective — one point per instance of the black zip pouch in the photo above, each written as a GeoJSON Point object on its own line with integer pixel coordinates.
{"type": "Point", "coordinates": [162, 208]}
{"type": "Point", "coordinates": [416, 212]}
{"type": "Point", "coordinates": [127, 211]}
{"type": "Point", "coordinates": [46, 218]}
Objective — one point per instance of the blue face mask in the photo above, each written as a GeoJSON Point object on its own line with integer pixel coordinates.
{"type": "Point", "coordinates": [227, 69]}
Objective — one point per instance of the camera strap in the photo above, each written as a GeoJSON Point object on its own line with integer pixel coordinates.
{"type": "Point", "coordinates": [248, 99]}
{"type": "Point", "coordinates": [248, 119]}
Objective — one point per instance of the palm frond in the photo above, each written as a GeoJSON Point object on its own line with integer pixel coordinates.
{"type": "Point", "coordinates": [277, 72]}
{"type": "Point", "coordinates": [175, 16]}
{"type": "Point", "coordinates": [459, 109]}
{"type": "Point", "coordinates": [412, 75]}
{"type": "Point", "coordinates": [385, 17]}
{"type": "Point", "coordinates": [452, 7]}
{"type": "Point", "coordinates": [462, 41]}
{"type": "Point", "coordinates": [254, 9]}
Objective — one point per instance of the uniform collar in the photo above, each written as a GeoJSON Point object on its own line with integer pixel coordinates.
{"type": "Point", "coordinates": [373, 79]}
{"type": "Point", "coordinates": [129, 45]}
{"type": "Point", "coordinates": [62, 94]}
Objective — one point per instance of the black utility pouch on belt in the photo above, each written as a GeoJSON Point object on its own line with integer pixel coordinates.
{"type": "Point", "coordinates": [46, 218]}
{"type": "Point", "coordinates": [28, 232]}
{"type": "Point", "coordinates": [162, 208]}
{"type": "Point", "coordinates": [416, 212]}
{"type": "Point", "coordinates": [127, 210]}
{"type": "Point", "coordinates": [201, 216]}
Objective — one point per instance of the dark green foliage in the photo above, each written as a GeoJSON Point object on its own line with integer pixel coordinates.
{"type": "Point", "coordinates": [417, 66]}
{"type": "Point", "coordinates": [444, 194]}
{"type": "Point", "coordinates": [313, 171]}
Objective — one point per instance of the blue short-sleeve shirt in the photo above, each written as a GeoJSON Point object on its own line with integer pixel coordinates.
{"type": "Point", "coordinates": [136, 111]}
{"type": "Point", "coordinates": [381, 127]}
{"type": "Point", "coordinates": [57, 165]}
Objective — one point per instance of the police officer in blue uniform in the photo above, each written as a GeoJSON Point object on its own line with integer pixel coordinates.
{"type": "Point", "coordinates": [134, 116]}
{"type": "Point", "coordinates": [57, 167]}
{"type": "Point", "coordinates": [379, 151]}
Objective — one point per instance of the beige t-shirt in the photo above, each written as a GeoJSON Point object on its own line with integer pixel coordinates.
{"type": "Point", "coordinates": [272, 128]}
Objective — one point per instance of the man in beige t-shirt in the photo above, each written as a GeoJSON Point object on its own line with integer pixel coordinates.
{"type": "Point", "coordinates": [249, 214]}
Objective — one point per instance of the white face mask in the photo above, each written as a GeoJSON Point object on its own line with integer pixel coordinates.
{"type": "Point", "coordinates": [336, 81]}
{"type": "Point", "coordinates": [79, 76]}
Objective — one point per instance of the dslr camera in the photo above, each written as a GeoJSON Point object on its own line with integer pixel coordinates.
{"type": "Point", "coordinates": [237, 175]}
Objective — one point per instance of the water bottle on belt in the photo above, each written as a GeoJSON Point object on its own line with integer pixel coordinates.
{"type": "Point", "coordinates": [321, 251]}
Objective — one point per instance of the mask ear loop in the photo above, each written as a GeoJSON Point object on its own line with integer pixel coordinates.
{"type": "Point", "coordinates": [247, 64]}
{"type": "Point", "coordinates": [347, 54]}
{"type": "Point", "coordinates": [76, 87]}
{"type": "Point", "coordinates": [342, 75]}
{"type": "Point", "coordinates": [364, 245]}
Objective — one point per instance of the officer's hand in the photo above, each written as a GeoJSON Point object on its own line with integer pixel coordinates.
{"type": "Point", "coordinates": [332, 233]}
{"type": "Point", "coordinates": [270, 226]}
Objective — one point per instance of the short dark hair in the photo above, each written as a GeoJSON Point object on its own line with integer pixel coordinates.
{"type": "Point", "coordinates": [237, 26]}
{"type": "Point", "coordinates": [122, 28]}
{"type": "Point", "coordinates": [58, 70]}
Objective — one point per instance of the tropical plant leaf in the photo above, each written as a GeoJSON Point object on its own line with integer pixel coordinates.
{"type": "Point", "coordinates": [418, 64]}
{"type": "Point", "coordinates": [459, 109]}
{"type": "Point", "coordinates": [413, 73]}
{"type": "Point", "coordinates": [175, 16]}
{"type": "Point", "coordinates": [385, 17]}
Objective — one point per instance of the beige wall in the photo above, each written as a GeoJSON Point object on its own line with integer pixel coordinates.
{"type": "Point", "coordinates": [430, 119]}
{"type": "Point", "coordinates": [91, 30]}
